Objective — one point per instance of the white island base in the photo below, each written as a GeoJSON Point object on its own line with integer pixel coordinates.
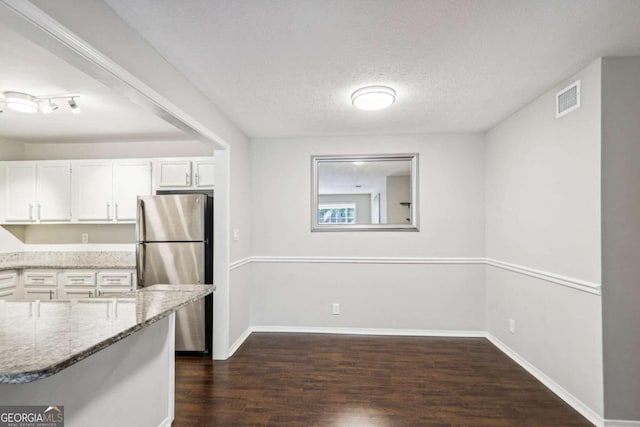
{"type": "Point", "coordinates": [129, 383]}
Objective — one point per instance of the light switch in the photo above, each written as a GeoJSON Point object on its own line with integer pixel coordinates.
{"type": "Point", "coordinates": [236, 234]}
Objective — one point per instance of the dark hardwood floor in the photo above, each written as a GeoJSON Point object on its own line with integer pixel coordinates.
{"type": "Point", "coordinates": [348, 380]}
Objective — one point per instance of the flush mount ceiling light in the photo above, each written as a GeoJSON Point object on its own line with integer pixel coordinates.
{"type": "Point", "coordinates": [26, 103]}
{"type": "Point", "coordinates": [22, 102]}
{"type": "Point", "coordinates": [372, 98]}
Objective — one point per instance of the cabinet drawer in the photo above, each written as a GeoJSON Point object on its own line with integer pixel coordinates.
{"type": "Point", "coordinates": [114, 278]}
{"type": "Point", "coordinates": [74, 293]}
{"type": "Point", "coordinates": [8, 279]}
{"type": "Point", "coordinates": [40, 294]}
{"type": "Point", "coordinates": [7, 294]}
{"type": "Point", "coordinates": [40, 278]}
{"type": "Point", "coordinates": [78, 278]}
{"type": "Point", "coordinates": [111, 291]}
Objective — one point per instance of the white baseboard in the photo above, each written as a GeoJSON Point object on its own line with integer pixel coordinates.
{"type": "Point", "coordinates": [369, 331]}
{"type": "Point", "coordinates": [241, 339]}
{"type": "Point", "coordinates": [570, 399]}
{"type": "Point", "coordinates": [621, 423]}
{"type": "Point", "coordinates": [166, 422]}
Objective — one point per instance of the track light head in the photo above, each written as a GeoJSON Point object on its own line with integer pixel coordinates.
{"type": "Point", "coordinates": [48, 107]}
{"type": "Point", "coordinates": [74, 106]}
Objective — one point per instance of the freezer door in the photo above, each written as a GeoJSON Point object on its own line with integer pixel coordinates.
{"type": "Point", "coordinates": [170, 263]}
{"type": "Point", "coordinates": [177, 263]}
{"type": "Point", "coordinates": [190, 327]}
{"type": "Point", "coordinates": [171, 217]}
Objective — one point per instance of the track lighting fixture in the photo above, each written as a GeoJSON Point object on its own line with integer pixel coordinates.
{"type": "Point", "coordinates": [26, 103]}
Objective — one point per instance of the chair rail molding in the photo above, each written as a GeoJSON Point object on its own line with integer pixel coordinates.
{"type": "Point", "coordinates": [571, 282]}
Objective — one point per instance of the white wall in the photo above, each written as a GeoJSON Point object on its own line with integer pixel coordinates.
{"type": "Point", "coordinates": [451, 198]}
{"type": "Point", "coordinates": [9, 150]}
{"type": "Point", "coordinates": [621, 236]}
{"type": "Point", "coordinates": [445, 297]}
{"type": "Point", "coordinates": [116, 150]}
{"type": "Point", "coordinates": [543, 212]}
{"type": "Point", "coordinates": [240, 221]}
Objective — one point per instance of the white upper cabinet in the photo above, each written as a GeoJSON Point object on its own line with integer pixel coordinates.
{"type": "Point", "coordinates": [20, 192]}
{"type": "Point", "coordinates": [184, 173]}
{"type": "Point", "coordinates": [203, 173]}
{"type": "Point", "coordinates": [94, 190]}
{"type": "Point", "coordinates": [107, 190]}
{"type": "Point", "coordinates": [99, 191]}
{"type": "Point", "coordinates": [37, 192]}
{"type": "Point", "coordinates": [54, 192]}
{"type": "Point", "coordinates": [174, 173]}
{"type": "Point", "coordinates": [132, 178]}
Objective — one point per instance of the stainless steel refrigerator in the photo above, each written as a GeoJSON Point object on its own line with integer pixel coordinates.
{"type": "Point", "coordinates": [173, 246]}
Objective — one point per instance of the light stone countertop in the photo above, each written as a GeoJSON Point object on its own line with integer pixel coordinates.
{"type": "Point", "coordinates": [93, 260]}
{"type": "Point", "coordinates": [41, 338]}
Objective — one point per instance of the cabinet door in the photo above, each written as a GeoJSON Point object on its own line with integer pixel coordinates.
{"type": "Point", "coordinates": [203, 175]}
{"type": "Point", "coordinates": [8, 285]}
{"type": "Point", "coordinates": [131, 179]}
{"type": "Point", "coordinates": [174, 173]}
{"type": "Point", "coordinates": [20, 192]}
{"type": "Point", "coordinates": [54, 192]}
{"type": "Point", "coordinates": [94, 190]}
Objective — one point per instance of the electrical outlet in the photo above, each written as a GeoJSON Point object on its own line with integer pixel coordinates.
{"type": "Point", "coordinates": [336, 308]}
{"type": "Point", "coordinates": [85, 238]}
{"type": "Point", "coordinates": [512, 326]}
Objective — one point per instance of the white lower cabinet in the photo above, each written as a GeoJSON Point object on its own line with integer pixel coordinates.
{"type": "Point", "coordinates": [45, 285]}
{"type": "Point", "coordinates": [77, 284]}
{"type": "Point", "coordinates": [40, 284]}
{"type": "Point", "coordinates": [113, 282]}
{"type": "Point", "coordinates": [9, 285]}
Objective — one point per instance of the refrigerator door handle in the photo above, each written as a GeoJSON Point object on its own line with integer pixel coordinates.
{"type": "Point", "coordinates": [140, 263]}
{"type": "Point", "coordinates": [141, 224]}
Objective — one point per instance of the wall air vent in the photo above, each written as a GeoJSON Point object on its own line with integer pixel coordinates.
{"type": "Point", "coordinates": [568, 99]}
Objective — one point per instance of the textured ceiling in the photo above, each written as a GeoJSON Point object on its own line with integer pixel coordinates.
{"type": "Point", "coordinates": [105, 115]}
{"type": "Point", "coordinates": [287, 68]}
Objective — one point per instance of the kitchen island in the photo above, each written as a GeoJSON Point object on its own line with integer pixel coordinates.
{"type": "Point", "coordinates": [108, 361]}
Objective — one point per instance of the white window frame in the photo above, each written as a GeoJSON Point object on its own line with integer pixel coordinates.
{"type": "Point", "coordinates": [338, 206]}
